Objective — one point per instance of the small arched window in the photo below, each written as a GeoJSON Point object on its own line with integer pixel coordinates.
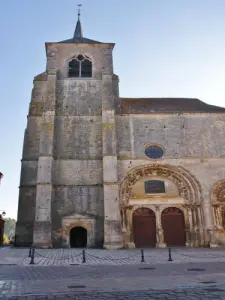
{"type": "Point", "coordinates": [80, 66]}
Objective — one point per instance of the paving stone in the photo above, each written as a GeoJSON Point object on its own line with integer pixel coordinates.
{"type": "Point", "coordinates": [47, 257]}
{"type": "Point", "coordinates": [21, 279]}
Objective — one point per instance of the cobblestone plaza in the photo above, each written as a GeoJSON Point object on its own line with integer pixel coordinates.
{"type": "Point", "coordinates": [61, 274]}
{"type": "Point", "coordinates": [67, 257]}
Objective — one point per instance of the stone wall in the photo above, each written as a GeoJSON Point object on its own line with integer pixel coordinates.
{"type": "Point", "coordinates": [184, 136]}
{"type": "Point", "coordinates": [26, 215]}
{"type": "Point", "coordinates": [78, 120]}
{"type": "Point", "coordinates": [85, 201]}
{"type": "Point", "coordinates": [29, 165]}
{"type": "Point", "coordinates": [192, 141]}
{"type": "Point", "coordinates": [72, 112]}
{"type": "Point", "coordinates": [78, 170]}
{"type": "Point", "coordinates": [59, 55]}
{"type": "Point", "coordinates": [77, 174]}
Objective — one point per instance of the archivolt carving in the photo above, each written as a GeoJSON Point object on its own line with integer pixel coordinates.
{"type": "Point", "coordinates": [218, 192]}
{"type": "Point", "coordinates": [188, 186]}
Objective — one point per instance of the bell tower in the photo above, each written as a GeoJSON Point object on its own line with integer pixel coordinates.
{"type": "Point", "coordinates": [70, 146]}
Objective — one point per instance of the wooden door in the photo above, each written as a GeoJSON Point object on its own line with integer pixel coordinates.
{"type": "Point", "coordinates": [144, 228]}
{"type": "Point", "coordinates": [173, 226]}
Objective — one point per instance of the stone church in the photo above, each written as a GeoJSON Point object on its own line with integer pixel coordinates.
{"type": "Point", "coordinates": [103, 171]}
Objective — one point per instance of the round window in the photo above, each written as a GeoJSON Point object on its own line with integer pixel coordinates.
{"type": "Point", "coordinates": [154, 152]}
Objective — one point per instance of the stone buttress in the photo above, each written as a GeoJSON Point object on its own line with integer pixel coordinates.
{"type": "Point", "coordinates": [112, 222]}
{"type": "Point", "coordinates": [44, 191]}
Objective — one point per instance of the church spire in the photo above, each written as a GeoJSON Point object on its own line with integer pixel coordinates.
{"type": "Point", "coordinates": [78, 30]}
{"type": "Point", "coordinates": [78, 34]}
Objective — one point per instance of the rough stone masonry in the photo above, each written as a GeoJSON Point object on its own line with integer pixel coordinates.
{"type": "Point", "coordinates": [103, 171]}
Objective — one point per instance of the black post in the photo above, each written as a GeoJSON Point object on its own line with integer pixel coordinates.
{"type": "Point", "coordinates": [170, 257]}
{"type": "Point", "coordinates": [29, 255]}
{"type": "Point", "coordinates": [84, 256]}
{"type": "Point", "coordinates": [32, 257]}
{"type": "Point", "coordinates": [142, 255]}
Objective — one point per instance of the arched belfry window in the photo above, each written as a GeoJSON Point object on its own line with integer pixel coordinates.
{"type": "Point", "coordinates": [80, 66]}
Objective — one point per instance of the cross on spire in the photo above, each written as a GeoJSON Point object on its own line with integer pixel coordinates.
{"type": "Point", "coordinates": [78, 30]}
{"type": "Point", "coordinates": [79, 7]}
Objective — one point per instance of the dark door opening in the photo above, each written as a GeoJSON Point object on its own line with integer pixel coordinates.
{"type": "Point", "coordinates": [78, 237]}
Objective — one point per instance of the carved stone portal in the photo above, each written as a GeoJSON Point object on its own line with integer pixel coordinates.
{"type": "Point", "coordinates": [188, 186]}
{"type": "Point", "coordinates": [218, 202]}
{"type": "Point", "coordinates": [189, 190]}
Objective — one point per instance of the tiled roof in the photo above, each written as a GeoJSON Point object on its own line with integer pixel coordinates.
{"type": "Point", "coordinates": [166, 105]}
{"type": "Point", "coordinates": [80, 40]}
{"type": "Point", "coordinates": [78, 36]}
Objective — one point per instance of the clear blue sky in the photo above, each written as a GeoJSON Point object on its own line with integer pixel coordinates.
{"type": "Point", "coordinates": [164, 48]}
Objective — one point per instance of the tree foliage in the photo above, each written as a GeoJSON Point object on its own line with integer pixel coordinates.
{"type": "Point", "coordinates": [5, 239]}
{"type": "Point", "coordinates": [10, 225]}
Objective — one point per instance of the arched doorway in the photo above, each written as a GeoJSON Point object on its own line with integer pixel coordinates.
{"type": "Point", "coordinates": [218, 202]}
{"type": "Point", "coordinates": [144, 228]}
{"type": "Point", "coordinates": [173, 226]}
{"type": "Point", "coordinates": [78, 237]}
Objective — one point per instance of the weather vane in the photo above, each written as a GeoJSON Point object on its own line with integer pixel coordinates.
{"type": "Point", "coordinates": [79, 6]}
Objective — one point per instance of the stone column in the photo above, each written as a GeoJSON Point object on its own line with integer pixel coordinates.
{"type": "Point", "coordinates": [209, 224]}
{"type": "Point", "coordinates": [195, 227]}
{"type": "Point", "coordinates": [187, 228]}
{"type": "Point", "coordinates": [217, 216]}
{"type": "Point", "coordinates": [216, 221]}
{"type": "Point", "coordinates": [192, 234]}
{"type": "Point", "coordinates": [129, 235]}
{"type": "Point", "coordinates": [43, 227]}
{"type": "Point", "coordinates": [201, 230]}
{"type": "Point", "coordinates": [112, 222]}
{"type": "Point", "coordinates": [123, 220]}
{"type": "Point", "coordinates": [160, 234]}
{"type": "Point", "coordinates": [220, 218]}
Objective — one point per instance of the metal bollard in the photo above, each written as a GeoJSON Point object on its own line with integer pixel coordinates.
{"type": "Point", "coordinates": [29, 255]}
{"type": "Point", "coordinates": [32, 257]}
{"type": "Point", "coordinates": [142, 255]}
{"type": "Point", "coordinates": [84, 256]}
{"type": "Point", "coordinates": [170, 257]}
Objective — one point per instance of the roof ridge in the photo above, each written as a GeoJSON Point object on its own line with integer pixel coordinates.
{"type": "Point", "coordinates": [166, 105]}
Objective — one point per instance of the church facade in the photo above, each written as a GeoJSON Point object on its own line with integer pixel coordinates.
{"type": "Point", "coordinates": [103, 171]}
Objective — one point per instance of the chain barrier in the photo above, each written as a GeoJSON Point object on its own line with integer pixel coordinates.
{"type": "Point", "coordinates": [63, 258]}
{"type": "Point", "coordinates": [85, 256]}
{"type": "Point", "coordinates": [194, 256]}
{"type": "Point", "coordinates": [32, 254]}
{"type": "Point", "coordinates": [185, 255]}
{"type": "Point", "coordinates": [113, 259]}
